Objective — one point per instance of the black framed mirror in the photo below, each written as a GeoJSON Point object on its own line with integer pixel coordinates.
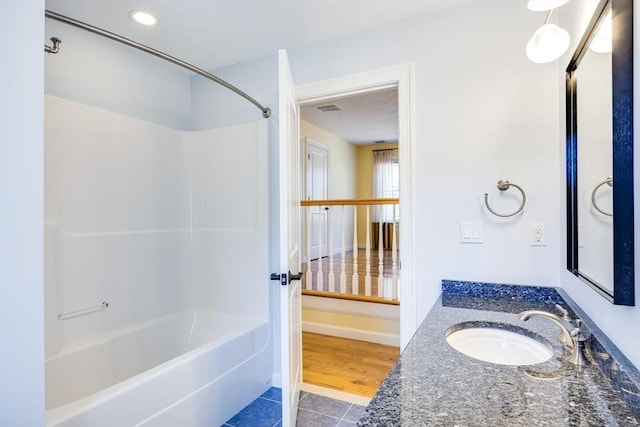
{"type": "Point", "coordinates": [599, 148]}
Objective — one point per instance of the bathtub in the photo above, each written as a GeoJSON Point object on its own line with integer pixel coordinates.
{"type": "Point", "coordinates": [195, 368]}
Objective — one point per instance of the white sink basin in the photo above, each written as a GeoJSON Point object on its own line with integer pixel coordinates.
{"type": "Point", "coordinates": [493, 344]}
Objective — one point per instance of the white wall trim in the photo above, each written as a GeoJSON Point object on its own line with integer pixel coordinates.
{"type": "Point", "coordinates": [335, 394]}
{"type": "Point", "coordinates": [351, 333]}
{"type": "Point", "coordinates": [276, 380]}
{"type": "Point", "coordinates": [400, 76]}
{"type": "Point", "coordinates": [359, 308]}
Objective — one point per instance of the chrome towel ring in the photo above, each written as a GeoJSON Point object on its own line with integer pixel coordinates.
{"type": "Point", "coordinates": [609, 182]}
{"type": "Point", "coordinates": [504, 185]}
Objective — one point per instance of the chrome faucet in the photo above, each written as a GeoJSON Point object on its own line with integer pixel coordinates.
{"type": "Point", "coordinates": [572, 336]}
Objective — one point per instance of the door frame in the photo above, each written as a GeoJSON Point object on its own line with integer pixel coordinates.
{"type": "Point", "coordinates": [402, 78]}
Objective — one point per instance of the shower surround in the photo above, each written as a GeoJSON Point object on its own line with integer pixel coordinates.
{"type": "Point", "coordinates": [158, 223]}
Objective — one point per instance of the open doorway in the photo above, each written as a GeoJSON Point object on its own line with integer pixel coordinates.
{"type": "Point", "coordinates": [354, 126]}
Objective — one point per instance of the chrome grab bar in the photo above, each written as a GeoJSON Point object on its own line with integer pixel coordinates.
{"type": "Point", "coordinates": [504, 185]}
{"type": "Point", "coordinates": [609, 182]}
{"type": "Point", "coordinates": [78, 313]}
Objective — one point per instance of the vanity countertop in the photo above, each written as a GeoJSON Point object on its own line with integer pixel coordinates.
{"type": "Point", "coordinates": [433, 384]}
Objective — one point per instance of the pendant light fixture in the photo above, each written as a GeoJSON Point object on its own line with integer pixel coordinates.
{"type": "Point", "coordinates": [540, 5]}
{"type": "Point", "coordinates": [603, 41]}
{"type": "Point", "coordinates": [549, 41]}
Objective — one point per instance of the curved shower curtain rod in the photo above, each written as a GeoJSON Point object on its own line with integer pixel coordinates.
{"type": "Point", "coordinates": [266, 111]}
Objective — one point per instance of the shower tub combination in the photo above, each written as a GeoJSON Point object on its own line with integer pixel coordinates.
{"type": "Point", "coordinates": [188, 369]}
{"type": "Point", "coordinates": [133, 218]}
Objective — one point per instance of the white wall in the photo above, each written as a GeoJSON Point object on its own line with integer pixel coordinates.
{"type": "Point", "coordinates": [616, 321]}
{"type": "Point", "coordinates": [483, 112]}
{"type": "Point", "coordinates": [214, 106]}
{"type": "Point", "coordinates": [21, 212]}
{"type": "Point", "coordinates": [102, 73]}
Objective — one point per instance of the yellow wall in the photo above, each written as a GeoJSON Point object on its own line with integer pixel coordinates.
{"type": "Point", "coordinates": [364, 181]}
{"type": "Point", "coordinates": [350, 170]}
{"type": "Point", "coordinates": [342, 160]}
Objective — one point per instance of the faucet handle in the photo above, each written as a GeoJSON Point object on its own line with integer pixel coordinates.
{"type": "Point", "coordinates": [563, 312]}
{"type": "Point", "coordinates": [578, 356]}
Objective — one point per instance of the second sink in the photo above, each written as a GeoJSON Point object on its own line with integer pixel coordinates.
{"type": "Point", "coordinates": [499, 343]}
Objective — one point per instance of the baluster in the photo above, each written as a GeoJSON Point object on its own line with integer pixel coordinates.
{"type": "Point", "coordinates": [343, 258]}
{"type": "Point", "coordinates": [380, 253]}
{"type": "Point", "coordinates": [367, 255]}
{"type": "Point", "coordinates": [354, 277]}
{"type": "Point", "coordinates": [332, 282]}
{"type": "Point", "coordinates": [308, 276]}
{"type": "Point", "coordinates": [320, 274]}
{"type": "Point", "coordinates": [394, 260]}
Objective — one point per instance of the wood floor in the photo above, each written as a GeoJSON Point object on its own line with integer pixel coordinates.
{"type": "Point", "coordinates": [351, 366]}
{"type": "Point", "coordinates": [389, 294]}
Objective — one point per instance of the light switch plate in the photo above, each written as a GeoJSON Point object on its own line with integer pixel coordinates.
{"type": "Point", "coordinates": [471, 232]}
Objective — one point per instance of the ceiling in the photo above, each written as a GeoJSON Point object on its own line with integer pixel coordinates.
{"type": "Point", "coordinates": [362, 119]}
{"type": "Point", "coordinates": [215, 33]}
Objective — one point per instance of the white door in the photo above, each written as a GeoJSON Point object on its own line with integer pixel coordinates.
{"type": "Point", "coordinates": [289, 192]}
{"type": "Point", "coordinates": [318, 189]}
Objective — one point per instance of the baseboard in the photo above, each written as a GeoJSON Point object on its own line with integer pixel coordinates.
{"type": "Point", "coordinates": [276, 380]}
{"type": "Point", "coordinates": [335, 394]}
{"type": "Point", "coordinates": [361, 308]}
{"type": "Point", "coordinates": [352, 333]}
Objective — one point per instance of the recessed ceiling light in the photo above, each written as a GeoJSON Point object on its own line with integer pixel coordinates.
{"type": "Point", "coordinates": [142, 17]}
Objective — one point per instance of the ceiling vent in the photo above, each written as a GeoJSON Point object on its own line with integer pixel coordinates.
{"type": "Point", "coordinates": [328, 107]}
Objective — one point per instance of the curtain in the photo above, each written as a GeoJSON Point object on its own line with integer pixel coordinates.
{"type": "Point", "coordinates": [385, 183]}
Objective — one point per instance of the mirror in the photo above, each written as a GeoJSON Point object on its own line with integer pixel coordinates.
{"type": "Point", "coordinates": [599, 101]}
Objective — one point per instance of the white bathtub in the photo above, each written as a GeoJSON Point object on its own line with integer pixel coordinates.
{"type": "Point", "coordinates": [194, 368]}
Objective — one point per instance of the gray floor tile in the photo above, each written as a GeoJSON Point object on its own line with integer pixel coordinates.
{"type": "Point", "coordinates": [313, 419]}
{"type": "Point", "coordinates": [354, 413]}
{"type": "Point", "coordinates": [324, 405]}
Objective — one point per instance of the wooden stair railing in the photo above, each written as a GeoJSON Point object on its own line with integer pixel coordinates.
{"type": "Point", "coordinates": [372, 279]}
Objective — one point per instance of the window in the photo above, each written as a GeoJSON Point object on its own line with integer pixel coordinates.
{"type": "Point", "coordinates": [386, 183]}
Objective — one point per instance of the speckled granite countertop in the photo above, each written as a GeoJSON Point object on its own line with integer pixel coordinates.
{"type": "Point", "coordinates": [433, 384]}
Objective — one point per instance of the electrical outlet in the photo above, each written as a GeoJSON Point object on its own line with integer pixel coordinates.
{"type": "Point", "coordinates": [538, 234]}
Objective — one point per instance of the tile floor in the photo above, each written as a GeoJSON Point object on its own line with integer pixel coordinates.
{"type": "Point", "coordinates": [313, 411]}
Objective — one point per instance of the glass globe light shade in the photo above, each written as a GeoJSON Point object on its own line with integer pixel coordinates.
{"type": "Point", "coordinates": [548, 43]}
{"type": "Point", "coordinates": [540, 5]}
